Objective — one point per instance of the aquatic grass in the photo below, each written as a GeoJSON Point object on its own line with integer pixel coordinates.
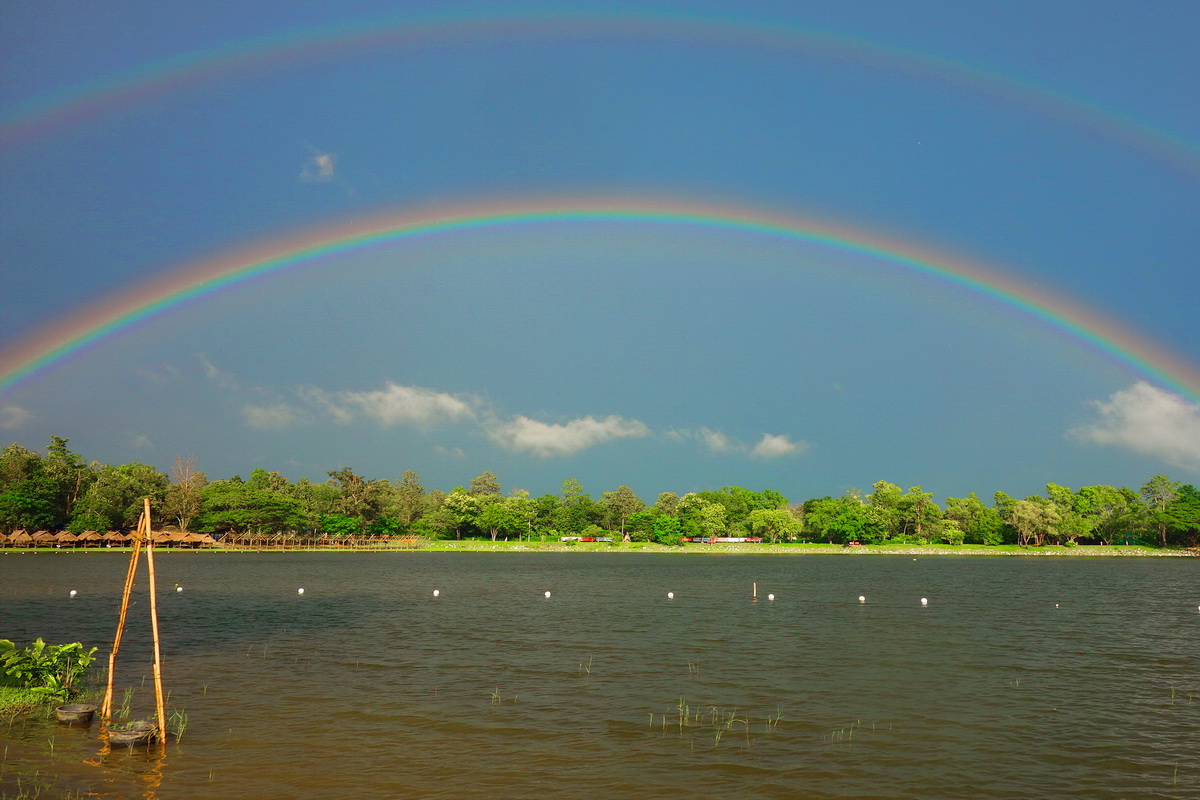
{"type": "Point", "coordinates": [177, 723]}
{"type": "Point", "coordinates": [588, 667]}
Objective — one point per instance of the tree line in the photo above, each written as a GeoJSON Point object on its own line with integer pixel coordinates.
{"type": "Point", "coordinates": [61, 490]}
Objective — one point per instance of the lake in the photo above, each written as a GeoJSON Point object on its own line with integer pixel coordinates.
{"type": "Point", "coordinates": [1022, 677]}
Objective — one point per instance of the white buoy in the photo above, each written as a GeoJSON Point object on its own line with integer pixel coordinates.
{"type": "Point", "coordinates": [179, 588]}
{"type": "Point", "coordinates": [770, 597]}
{"type": "Point", "coordinates": [924, 601]}
{"type": "Point", "coordinates": [299, 591]}
{"type": "Point", "coordinates": [1056, 605]}
{"type": "Point", "coordinates": [436, 592]}
{"type": "Point", "coordinates": [547, 594]}
{"type": "Point", "coordinates": [670, 595]}
{"type": "Point", "coordinates": [73, 593]}
{"type": "Point", "coordinates": [862, 599]}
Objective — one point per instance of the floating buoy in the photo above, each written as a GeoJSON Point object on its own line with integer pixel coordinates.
{"type": "Point", "coordinates": [299, 591]}
{"type": "Point", "coordinates": [924, 601]}
{"type": "Point", "coordinates": [179, 588]}
{"type": "Point", "coordinates": [436, 592]}
{"type": "Point", "coordinates": [770, 597]}
{"type": "Point", "coordinates": [1056, 605]}
{"type": "Point", "coordinates": [670, 595]}
{"type": "Point", "coordinates": [72, 593]}
{"type": "Point", "coordinates": [547, 594]}
{"type": "Point", "coordinates": [862, 599]}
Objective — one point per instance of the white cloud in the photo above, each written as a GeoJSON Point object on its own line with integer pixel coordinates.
{"type": "Point", "coordinates": [319, 168]}
{"type": "Point", "coordinates": [225, 380]}
{"type": "Point", "coordinates": [716, 441]}
{"type": "Point", "coordinates": [544, 439]}
{"type": "Point", "coordinates": [1149, 421]}
{"type": "Point", "coordinates": [393, 405]}
{"type": "Point", "coordinates": [776, 446]}
{"type": "Point", "coordinates": [273, 417]}
{"type": "Point", "coordinates": [13, 417]}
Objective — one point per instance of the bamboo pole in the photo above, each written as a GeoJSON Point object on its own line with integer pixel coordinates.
{"type": "Point", "coordinates": [158, 687]}
{"type": "Point", "coordinates": [106, 706]}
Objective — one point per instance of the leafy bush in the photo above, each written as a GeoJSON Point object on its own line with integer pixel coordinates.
{"type": "Point", "coordinates": [53, 672]}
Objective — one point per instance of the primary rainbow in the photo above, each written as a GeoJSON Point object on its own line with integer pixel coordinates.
{"type": "Point", "coordinates": [74, 104]}
{"type": "Point", "coordinates": [75, 333]}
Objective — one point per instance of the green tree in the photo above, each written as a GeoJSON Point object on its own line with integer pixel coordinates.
{"type": "Point", "coordinates": [840, 520]}
{"type": "Point", "coordinates": [1034, 518]}
{"type": "Point", "coordinates": [668, 530]}
{"type": "Point", "coordinates": [667, 503]}
{"type": "Point", "coordinates": [774, 524]}
{"type": "Point", "coordinates": [700, 517]}
{"type": "Point", "coordinates": [1160, 492]}
{"type": "Point", "coordinates": [1184, 513]}
{"type": "Point", "coordinates": [239, 507]}
{"type": "Point", "coordinates": [485, 484]}
{"type": "Point", "coordinates": [463, 508]}
{"type": "Point", "coordinates": [620, 505]}
{"type": "Point", "coordinates": [641, 526]}
{"type": "Point", "coordinates": [70, 474]}
{"type": "Point", "coordinates": [978, 523]}
{"type": "Point", "coordinates": [410, 498]}
{"type": "Point", "coordinates": [496, 516]}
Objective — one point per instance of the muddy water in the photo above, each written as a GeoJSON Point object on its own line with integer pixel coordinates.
{"type": "Point", "coordinates": [1020, 678]}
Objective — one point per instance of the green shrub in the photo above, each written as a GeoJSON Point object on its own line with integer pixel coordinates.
{"type": "Point", "coordinates": [53, 672]}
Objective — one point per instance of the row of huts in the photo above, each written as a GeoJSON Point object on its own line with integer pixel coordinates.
{"type": "Point", "coordinates": [95, 539]}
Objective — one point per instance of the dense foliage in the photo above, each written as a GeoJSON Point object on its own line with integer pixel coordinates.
{"type": "Point", "coordinates": [48, 671]}
{"type": "Point", "coordinates": [61, 490]}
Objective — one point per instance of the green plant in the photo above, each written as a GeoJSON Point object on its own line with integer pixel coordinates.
{"type": "Point", "coordinates": [177, 723]}
{"type": "Point", "coordinates": [53, 672]}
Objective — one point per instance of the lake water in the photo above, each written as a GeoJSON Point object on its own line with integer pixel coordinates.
{"type": "Point", "coordinates": [1023, 677]}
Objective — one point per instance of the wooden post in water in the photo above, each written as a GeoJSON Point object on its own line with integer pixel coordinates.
{"type": "Point", "coordinates": [106, 706]}
{"type": "Point", "coordinates": [756, 591]}
{"type": "Point", "coordinates": [158, 687]}
{"type": "Point", "coordinates": [141, 536]}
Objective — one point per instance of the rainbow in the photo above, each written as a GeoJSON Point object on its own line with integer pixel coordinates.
{"type": "Point", "coordinates": [73, 335]}
{"type": "Point", "coordinates": [75, 104]}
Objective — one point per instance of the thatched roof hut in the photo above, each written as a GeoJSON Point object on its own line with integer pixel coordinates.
{"type": "Point", "coordinates": [115, 537]}
{"type": "Point", "coordinates": [44, 538]}
{"type": "Point", "coordinates": [20, 537]}
{"type": "Point", "coordinates": [65, 537]}
{"type": "Point", "coordinates": [199, 539]}
{"type": "Point", "coordinates": [89, 537]}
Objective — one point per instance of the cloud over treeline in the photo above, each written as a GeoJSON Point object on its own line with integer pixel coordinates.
{"type": "Point", "coordinates": [1149, 421]}
{"type": "Point", "coordinates": [397, 405]}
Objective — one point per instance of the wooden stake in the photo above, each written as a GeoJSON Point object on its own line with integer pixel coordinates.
{"type": "Point", "coordinates": [158, 687]}
{"type": "Point", "coordinates": [756, 592]}
{"type": "Point", "coordinates": [106, 706]}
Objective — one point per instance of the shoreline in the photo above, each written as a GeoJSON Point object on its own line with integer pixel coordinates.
{"type": "Point", "coordinates": [477, 546]}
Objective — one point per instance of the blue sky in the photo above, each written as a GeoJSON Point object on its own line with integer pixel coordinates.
{"type": "Point", "coordinates": [665, 357]}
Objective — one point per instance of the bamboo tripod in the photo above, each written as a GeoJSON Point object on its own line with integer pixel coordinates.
{"type": "Point", "coordinates": [140, 537]}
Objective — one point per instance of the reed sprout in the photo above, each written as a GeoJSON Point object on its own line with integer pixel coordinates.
{"type": "Point", "coordinates": [178, 723]}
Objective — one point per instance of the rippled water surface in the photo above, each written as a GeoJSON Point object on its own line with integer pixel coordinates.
{"type": "Point", "coordinates": [1023, 677]}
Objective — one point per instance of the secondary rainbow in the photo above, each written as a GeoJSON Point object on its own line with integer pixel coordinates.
{"type": "Point", "coordinates": [74, 334]}
{"type": "Point", "coordinates": [73, 104]}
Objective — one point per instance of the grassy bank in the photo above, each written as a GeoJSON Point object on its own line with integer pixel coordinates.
{"type": "Point", "coordinates": [808, 549]}
{"type": "Point", "coordinates": [487, 546]}
{"type": "Point", "coordinates": [17, 701]}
